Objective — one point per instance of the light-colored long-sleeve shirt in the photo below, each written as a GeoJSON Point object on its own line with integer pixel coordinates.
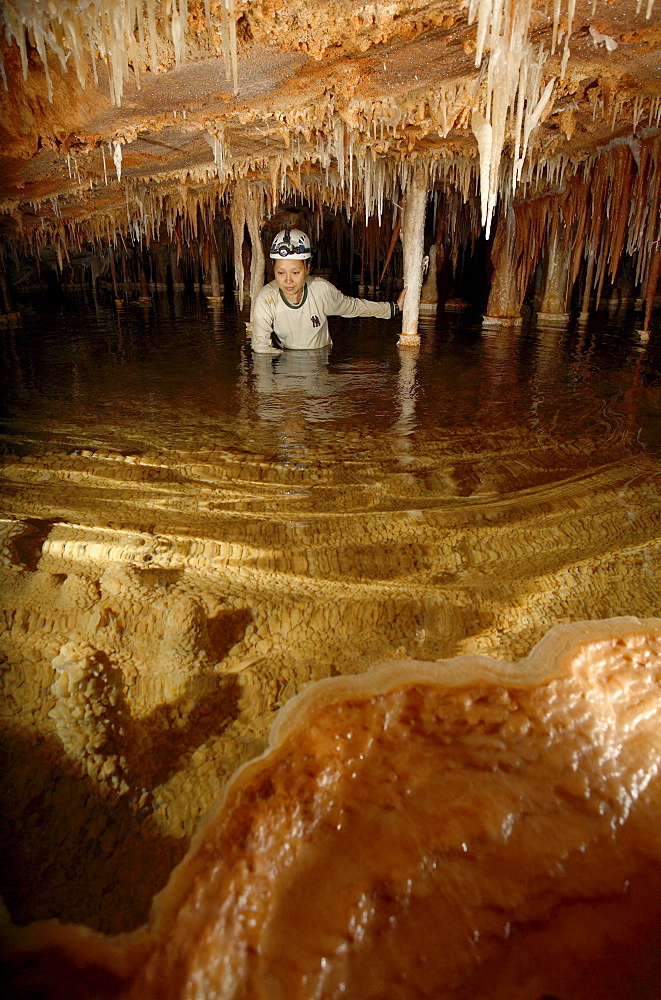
{"type": "Point", "coordinates": [305, 327]}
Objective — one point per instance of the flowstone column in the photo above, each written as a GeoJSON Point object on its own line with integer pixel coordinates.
{"type": "Point", "coordinates": [584, 314]}
{"type": "Point", "coordinates": [257, 263]}
{"type": "Point", "coordinates": [553, 309]}
{"type": "Point", "coordinates": [429, 294]}
{"type": "Point", "coordinates": [145, 298]}
{"type": "Point", "coordinates": [413, 243]}
{"type": "Point", "coordinates": [651, 285]}
{"type": "Point", "coordinates": [215, 297]}
{"type": "Point", "coordinates": [504, 306]}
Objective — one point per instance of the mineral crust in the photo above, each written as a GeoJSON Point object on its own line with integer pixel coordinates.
{"type": "Point", "coordinates": [457, 829]}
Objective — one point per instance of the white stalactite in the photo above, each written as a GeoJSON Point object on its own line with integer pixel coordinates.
{"type": "Point", "coordinates": [117, 157]}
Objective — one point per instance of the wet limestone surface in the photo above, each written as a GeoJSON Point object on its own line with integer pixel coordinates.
{"type": "Point", "coordinates": [190, 538]}
{"type": "Point", "coordinates": [457, 829]}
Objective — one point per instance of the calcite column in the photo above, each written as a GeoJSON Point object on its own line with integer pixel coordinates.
{"type": "Point", "coordinates": [215, 297]}
{"type": "Point", "coordinates": [144, 299]}
{"type": "Point", "coordinates": [7, 304]}
{"type": "Point", "coordinates": [650, 292]}
{"type": "Point", "coordinates": [584, 314]}
{"type": "Point", "coordinates": [413, 237]}
{"type": "Point", "coordinates": [429, 294]}
{"type": "Point", "coordinates": [553, 309]}
{"type": "Point", "coordinates": [504, 306]}
{"type": "Point", "coordinates": [257, 262]}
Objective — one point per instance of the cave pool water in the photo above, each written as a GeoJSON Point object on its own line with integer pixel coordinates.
{"type": "Point", "coordinates": [224, 528]}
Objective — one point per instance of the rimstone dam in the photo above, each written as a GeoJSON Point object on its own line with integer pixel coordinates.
{"type": "Point", "coordinates": [330, 673]}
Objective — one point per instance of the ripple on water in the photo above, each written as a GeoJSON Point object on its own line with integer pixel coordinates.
{"type": "Point", "coordinates": [224, 528]}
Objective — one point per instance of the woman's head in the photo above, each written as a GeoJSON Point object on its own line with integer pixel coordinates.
{"type": "Point", "coordinates": [291, 252]}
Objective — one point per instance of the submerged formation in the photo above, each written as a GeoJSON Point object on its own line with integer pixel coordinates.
{"type": "Point", "coordinates": [465, 828]}
{"type": "Point", "coordinates": [173, 126]}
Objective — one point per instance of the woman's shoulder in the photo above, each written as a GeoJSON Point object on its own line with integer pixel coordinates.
{"type": "Point", "coordinates": [321, 284]}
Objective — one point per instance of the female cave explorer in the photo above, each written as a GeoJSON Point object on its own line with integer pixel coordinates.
{"type": "Point", "coordinates": [290, 312]}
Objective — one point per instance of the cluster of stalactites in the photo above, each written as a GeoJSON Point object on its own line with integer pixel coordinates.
{"type": "Point", "coordinates": [515, 91]}
{"type": "Point", "coordinates": [612, 207]}
{"type": "Point", "coordinates": [358, 151]}
{"type": "Point", "coordinates": [128, 36]}
{"type": "Point", "coordinates": [354, 156]}
{"type": "Point", "coordinates": [365, 187]}
{"type": "Point", "coordinates": [334, 168]}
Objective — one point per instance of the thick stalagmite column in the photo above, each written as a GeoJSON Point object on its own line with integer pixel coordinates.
{"type": "Point", "coordinates": [119, 302]}
{"type": "Point", "coordinates": [650, 292]}
{"type": "Point", "coordinates": [504, 307]}
{"type": "Point", "coordinates": [215, 297]}
{"type": "Point", "coordinates": [553, 309]}
{"type": "Point", "coordinates": [257, 263]}
{"type": "Point", "coordinates": [413, 242]}
{"type": "Point", "coordinates": [584, 314]}
{"type": "Point", "coordinates": [429, 294]}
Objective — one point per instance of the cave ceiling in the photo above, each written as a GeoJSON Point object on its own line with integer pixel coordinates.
{"type": "Point", "coordinates": [115, 114]}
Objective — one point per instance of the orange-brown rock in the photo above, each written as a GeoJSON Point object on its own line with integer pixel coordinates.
{"type": "Point", "coordinates": [459, 829]}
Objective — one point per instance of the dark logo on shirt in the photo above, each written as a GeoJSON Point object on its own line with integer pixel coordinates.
{"type": "Point", "coordinates": [315, 321]}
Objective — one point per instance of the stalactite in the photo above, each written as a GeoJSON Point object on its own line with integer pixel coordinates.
{"type": "Point", "coordinates": [116, 32]}
{"type": "Point", "coordinates": [584, 314]}
{"type": "Point", "coordinates": [391, 247]}
{"type": "Point", "coordinates": [513, 80]}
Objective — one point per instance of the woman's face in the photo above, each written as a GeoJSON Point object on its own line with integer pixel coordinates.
{"type": "Point", "coordinates": [290, 276]}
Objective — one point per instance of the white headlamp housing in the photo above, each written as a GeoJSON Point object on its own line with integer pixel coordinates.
{"type": "Point", "coordinates": [291, 244]}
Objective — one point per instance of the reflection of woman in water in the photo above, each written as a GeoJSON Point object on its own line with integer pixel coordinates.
{"type": "Point", "coordinates": [291, 311]}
